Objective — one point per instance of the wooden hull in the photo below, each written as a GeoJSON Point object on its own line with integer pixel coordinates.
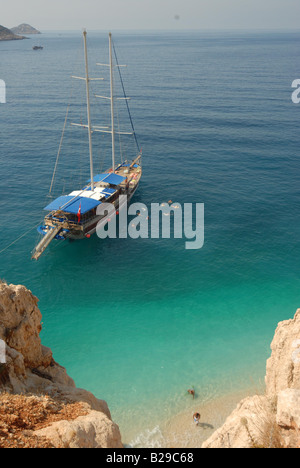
{"type": "Point", "coordinates": [90, 228]}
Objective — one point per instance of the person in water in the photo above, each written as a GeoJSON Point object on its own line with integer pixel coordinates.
{"type": "Point", "coordinates": [196, 418]}
{"type": "Point", "coordinates": [192, 392]}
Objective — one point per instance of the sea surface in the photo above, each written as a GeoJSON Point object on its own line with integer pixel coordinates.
{"type": "Point", "coordinates": [138, 322]}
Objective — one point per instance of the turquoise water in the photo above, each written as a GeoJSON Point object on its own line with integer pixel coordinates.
{"type": "Point", "coordinates": [137, 322]}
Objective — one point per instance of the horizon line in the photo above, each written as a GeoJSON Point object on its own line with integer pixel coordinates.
{"type": "Point", "coordinates": [173, 29]}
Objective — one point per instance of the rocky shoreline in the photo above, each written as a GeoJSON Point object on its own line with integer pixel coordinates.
{"type": "Point", "coordinates": [31, 371]}
{"type": "Point", "coordinates": [8, 35]}
{"type": "Point", "coordinates": [271, 420]}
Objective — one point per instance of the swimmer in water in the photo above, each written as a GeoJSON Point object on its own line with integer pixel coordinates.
{"type": "Point", "coordinates": [192, 392]}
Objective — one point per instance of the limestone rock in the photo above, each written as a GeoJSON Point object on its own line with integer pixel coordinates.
{"type": "Point", "coordinates": [243, 427]}
{"type": "Point", "coordinates": [283, 367]}
{"type": "Point", "coordinates": [93, 431]}
{"type": "Point", "coordinates": [79, 394]}
{"type": "Point", "coordinates": [31, 369]}
{"type": "Point", "coordinates": [272, 420]}
{"type": "Point", "coordinates": [288, 408]}
{"type": "Point", "coordinates": [20, 324]}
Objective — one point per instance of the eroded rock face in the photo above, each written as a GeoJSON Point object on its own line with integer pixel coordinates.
{"type": "Point", "coordinates": [31, 369]}
{"type": "Point", "coordinates": [272, 420]}
{"type": "Point", "coordinates": [20, 324]}
{"type": "Point", "coordinates": [243, 427]}
{"type": "Point", "coordinates": [288, 408]}
{"type": "Point", "coordinates": [283, 367]}
{"type": "Point", "coordinates": [92, 431]}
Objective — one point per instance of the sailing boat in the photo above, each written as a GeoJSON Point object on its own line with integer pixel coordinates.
{"type": "Point", "coordinates": [75, 216]}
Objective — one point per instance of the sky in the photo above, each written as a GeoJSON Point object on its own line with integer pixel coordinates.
{"type": "Point", "coordinates": [151, 14]}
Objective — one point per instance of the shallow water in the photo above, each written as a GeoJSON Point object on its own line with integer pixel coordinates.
{"type": "Point", "coordinates": [138, 322]}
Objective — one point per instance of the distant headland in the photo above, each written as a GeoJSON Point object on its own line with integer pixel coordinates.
{"type": "Point", "coordinates": [25, 29]}
{"type": "Point", "coordinates": [17, 33]}
{"type": "Point", "coordinates": [8, 35]}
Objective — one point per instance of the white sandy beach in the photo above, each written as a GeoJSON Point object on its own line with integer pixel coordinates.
{"type": "Point", "coordinates": [181, 431]}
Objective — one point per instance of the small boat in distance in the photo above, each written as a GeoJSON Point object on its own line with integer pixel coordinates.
{"type": "Point", "coordinates": [37, 47]}
{"type": "Point", "coordinates": [74, 216]}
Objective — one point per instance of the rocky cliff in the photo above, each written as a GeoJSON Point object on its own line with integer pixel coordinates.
{"type": "Point", "coordinates": [8, 35]}
{"type": "Point", "coordinates": [63, 415]}
{"type": "Point", "coordinates": [271, 420]}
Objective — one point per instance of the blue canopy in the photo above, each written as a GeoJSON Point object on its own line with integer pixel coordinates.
{"type": "Point", "coordinates": [69, 204]}
{"type": "Point", "coordinates": [109, 191]}
{"type": "Point", "coordinates": [112, 178]}
{"type": "Point", "coordinates": [99, 177]}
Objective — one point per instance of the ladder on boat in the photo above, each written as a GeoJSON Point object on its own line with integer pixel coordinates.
{"type": "Point", "coordinates": [41, 247]}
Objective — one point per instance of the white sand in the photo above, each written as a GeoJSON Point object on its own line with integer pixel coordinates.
{"type": "Point", "coordinates": [182, 432]}
{"type": "Point", "coordinates": [163, 430]}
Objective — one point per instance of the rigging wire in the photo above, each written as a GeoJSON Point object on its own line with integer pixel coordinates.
{"type": "Point", "coordinates": [19, 238]}
{"type": "Point", "coordinates": [120, 140]}
{"type": "Point", "coordinates": [60, 146]}
{"type": "Point", "coordinates": [123, 87]}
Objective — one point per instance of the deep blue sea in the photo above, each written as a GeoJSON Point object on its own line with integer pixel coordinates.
{"type": "Point", "coordinates": [138, 322]}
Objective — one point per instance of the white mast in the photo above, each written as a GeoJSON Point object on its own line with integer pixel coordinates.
{"type": "Point", "coordinates": [88, 108]}
{"type": "Point", "coordinates": [112, 103]}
